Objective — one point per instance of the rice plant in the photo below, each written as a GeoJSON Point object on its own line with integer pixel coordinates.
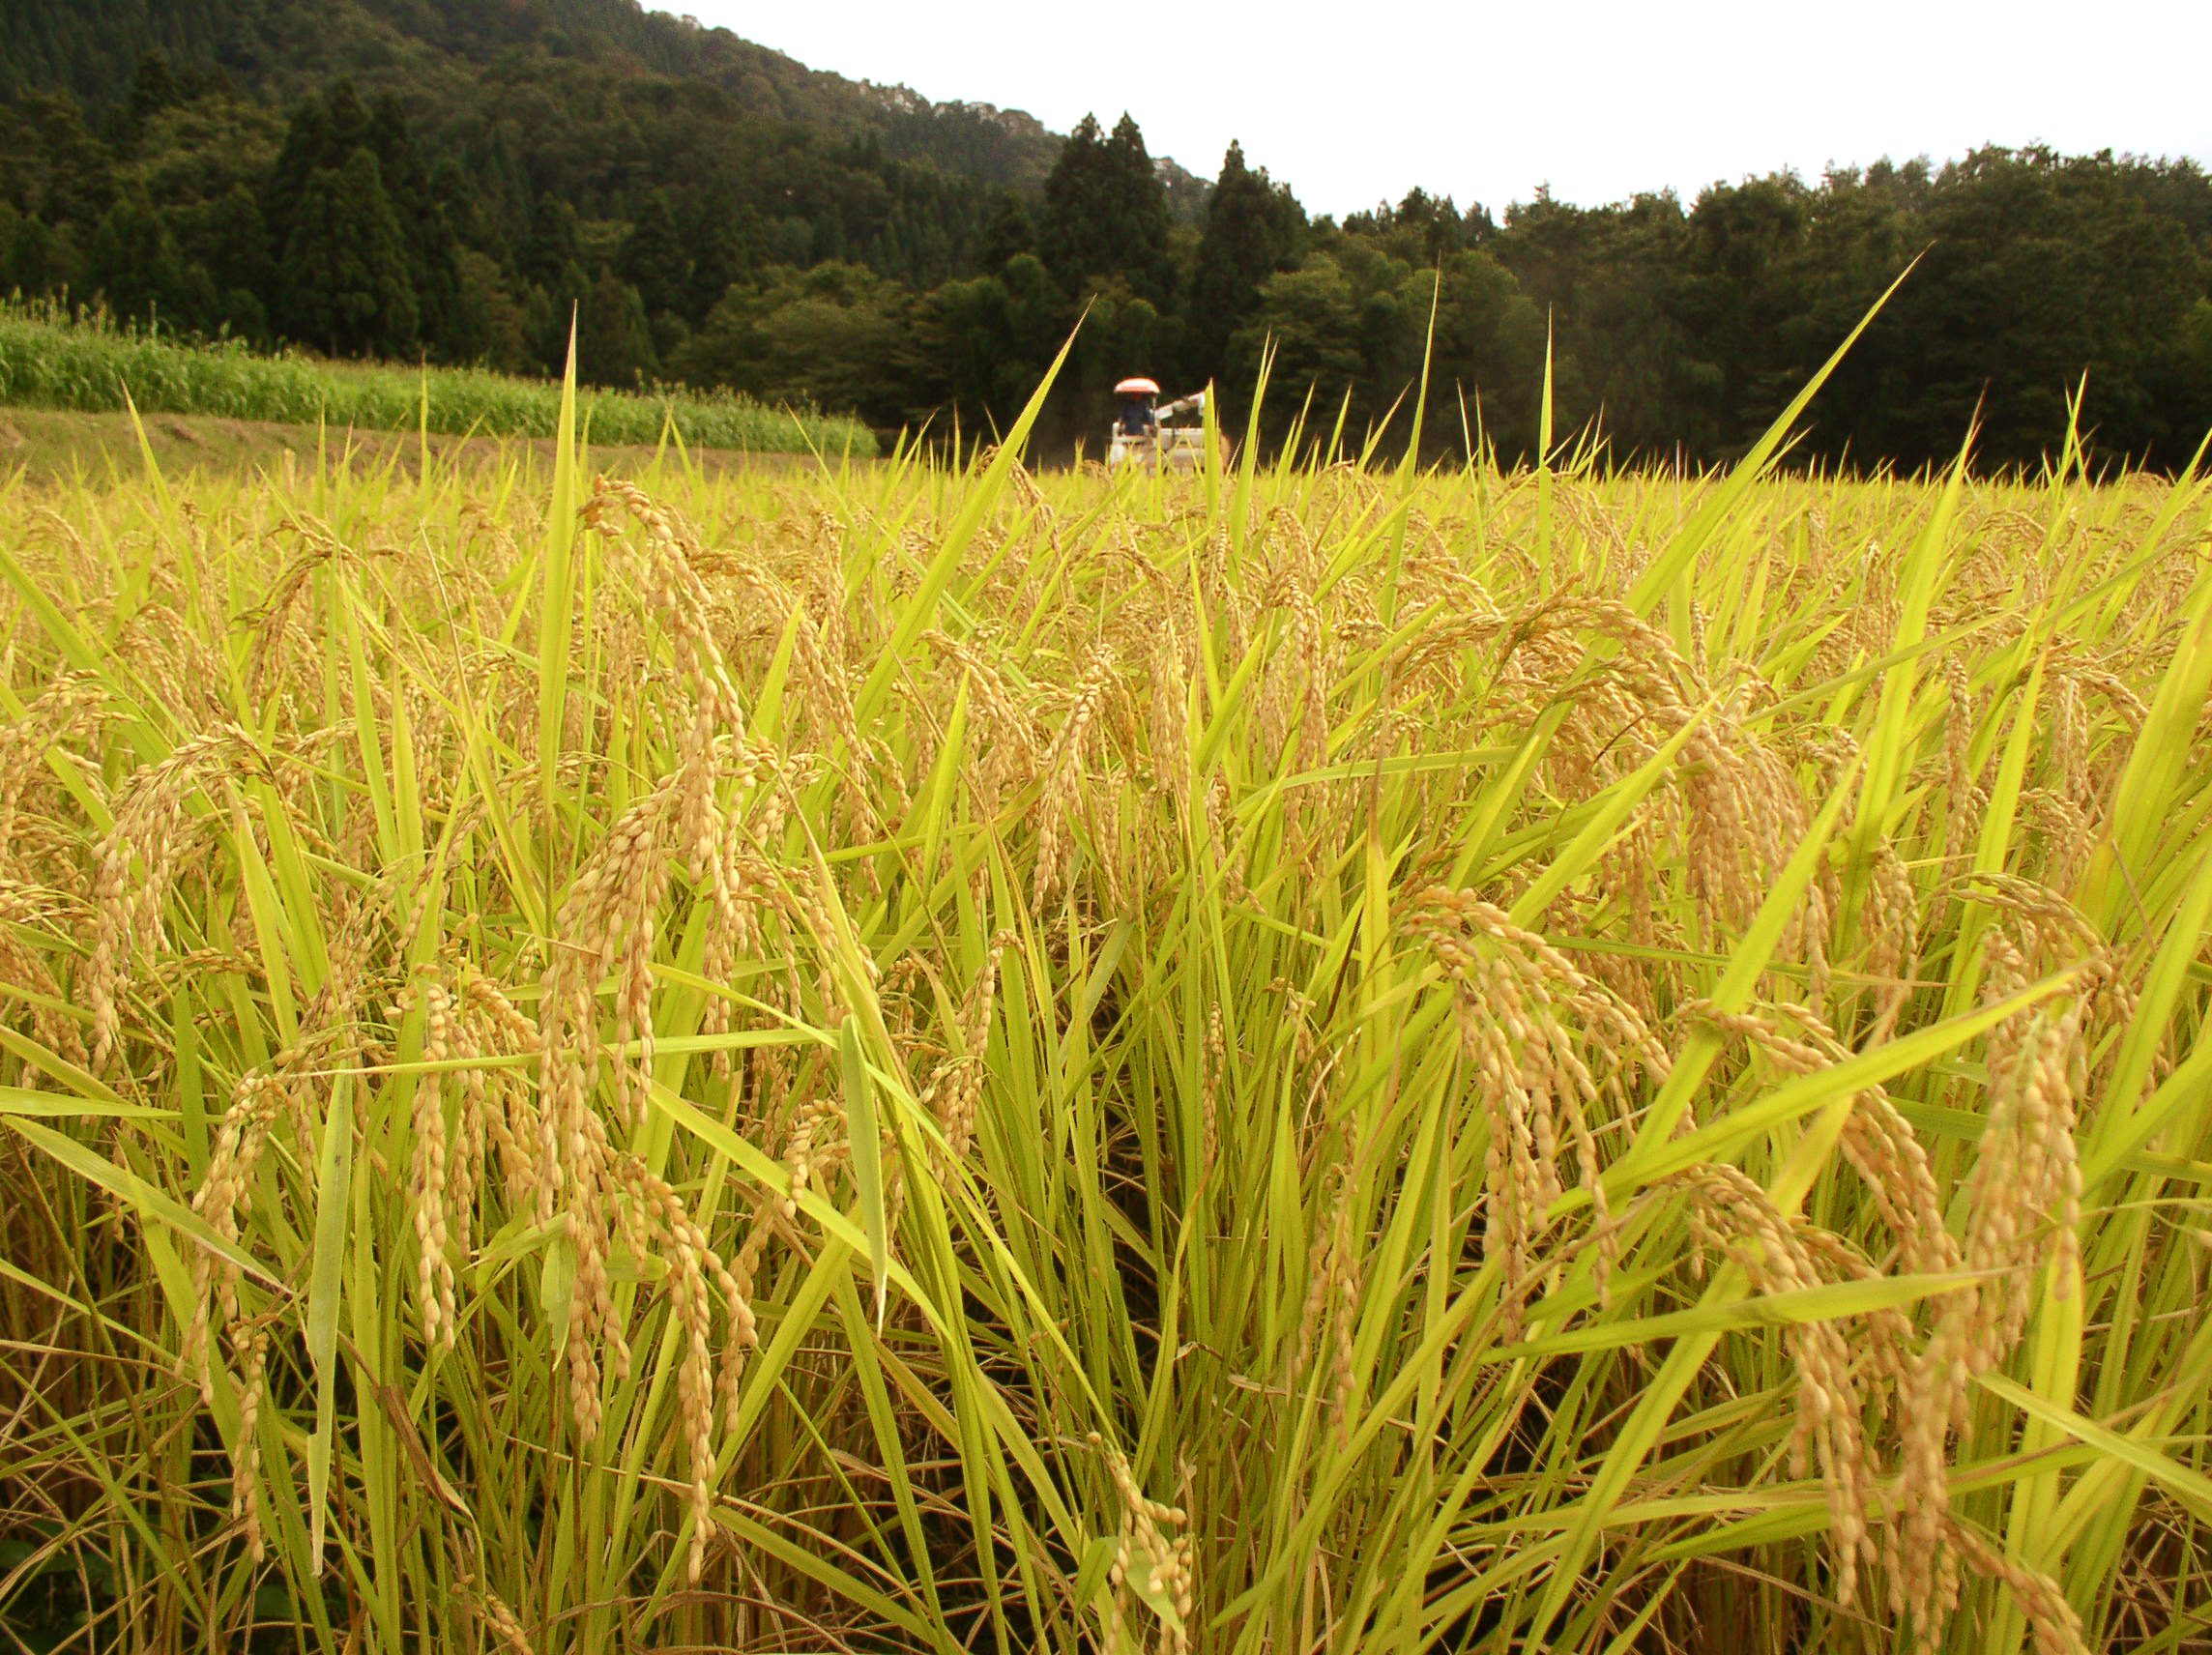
{"type": "Point", "coordinates": [928, 1058]}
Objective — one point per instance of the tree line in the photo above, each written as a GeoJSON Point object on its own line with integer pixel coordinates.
{"type": "Point", "coordinates": [700, 244]}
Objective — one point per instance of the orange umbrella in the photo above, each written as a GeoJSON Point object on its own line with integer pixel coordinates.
{"type": "Point", "coordinates": [1136, 387]}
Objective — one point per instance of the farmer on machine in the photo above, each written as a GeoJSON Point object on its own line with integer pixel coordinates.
{"type": "Point", "coordinates": [1137, 417]}
{"type": "Point", "coordinates": [1138, 437]}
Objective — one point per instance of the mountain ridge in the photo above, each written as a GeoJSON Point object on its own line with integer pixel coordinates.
{"type": "Point", "coordinates": [284, 50]}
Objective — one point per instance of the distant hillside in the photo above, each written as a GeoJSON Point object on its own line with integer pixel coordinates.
{"type": "Point", "coordinates": [488, 182]}
{"type": "Point", "coordinates": [437, 54]}
{"type": "Point", "coordinates": [473, 181]}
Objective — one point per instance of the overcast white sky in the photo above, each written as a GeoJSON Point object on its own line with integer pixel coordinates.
{"type": "Point", "coordinates": [1354, 101]}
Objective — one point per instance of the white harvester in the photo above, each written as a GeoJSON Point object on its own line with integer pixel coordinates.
{"type": "Point", "coordinates": [1143, 436]}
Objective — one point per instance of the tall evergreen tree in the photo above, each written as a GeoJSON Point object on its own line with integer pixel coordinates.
{"type": "Point", "coordinates": [1254, 227]}
{"type": "Point", "coordinates": [153, 90]}
{"type": "Point", "coordinates": [323, 135]}
{"type": "Point", "coordinates": [1007, 233]}
{"type": "Point", "coordinates": [230, 239]}
{"type": "Point", "coordinates": [38, 258]}
{"type": "Point", "coordinates": [345, 268]}
{"type": "Point", "coordinates": [492, 327]}
{"type": "Point", "coordinates": [552, 256]}
{"type": "Point", "coordinates": [59, 170]}
{"type": "Point", "coordinates": [552, 263]}
{"type": "Point", "coordinates": [432, 249]}
{"type": "Point", "coordinates": [653, 259]}
{"type": "Point", "coordinates": [726, 247]}
{"type": "Point", "coordinates": [1106, 213]}
{"type": "Point", "coordinates": [614, 344]}
{"type": "Point", "coordinates": [135, 265]}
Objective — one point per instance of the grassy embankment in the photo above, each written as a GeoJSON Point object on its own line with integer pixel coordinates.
{"type": "Point", "coordinates": [1294, 1061]}
{"type": "Point", "coordinates": [51, 362]}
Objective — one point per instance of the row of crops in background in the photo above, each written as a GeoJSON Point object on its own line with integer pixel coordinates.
{"type": "Point", "coordinates": [932, 1059]}
{"type": "Point", "coordinates": [50, 357]}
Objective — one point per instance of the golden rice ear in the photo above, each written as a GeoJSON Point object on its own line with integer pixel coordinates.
{"type": "Point", "coordinates": [1827, 1433]}
{"type": "Point", "coordinates": [1531, 1024]}
{"type": "Point", "coordinates": [1062, 768]}
{"type": "Point", "coordinates": [430, 1174]}
{"type": "Point", "coordinates": [499, 1621]}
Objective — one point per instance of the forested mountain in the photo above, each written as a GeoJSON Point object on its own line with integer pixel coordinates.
{"type": "Point", "coordinates": [439, 55]}
{"type": "Point", "coordinates": [457, 178]}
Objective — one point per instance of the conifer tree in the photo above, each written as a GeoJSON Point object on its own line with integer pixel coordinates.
{"type": "Point", "coordinates": [653, 260]}
{"type": "Point", "coordinates": [153, 90]}
{"type": "Point", "coordinates": [1007, 233]}
{"type": "Point", "coordinates": [233, 241]}
{"type": "Point", "coordinates": [323, 135]}
{"type": "Point", "coordinates": [552, 263]}
{"type": "Point", "coordinates": [553, 253]}
{"type": "Point", "coordinates": [432, 249]}
{"type": "Point", "coordinates": [38, 258]}
{"type": "Point", "coordinates": [71, 178]}
{"type": "Point", "coordinates": [614, 343]}
{"type": "Point", "coordinates": [346, 267]}
{"type": "Point", "coordinates": [725, 240]}
{"type": "Point", "coordinates": [1254, 227]}
{"type": "Point", "coordinates": [1106, 213]}
{"type": "Point", "coordinates": [135, 265]}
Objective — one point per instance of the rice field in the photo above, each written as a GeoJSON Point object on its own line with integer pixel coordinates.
{"type": "Point", "coordinates": [931, 1058]}
{"type": "Point", "coordinates": [55, 359]}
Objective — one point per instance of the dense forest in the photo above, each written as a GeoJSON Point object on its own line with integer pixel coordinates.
{"type": "Point", "coordinates": [399, 178]}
